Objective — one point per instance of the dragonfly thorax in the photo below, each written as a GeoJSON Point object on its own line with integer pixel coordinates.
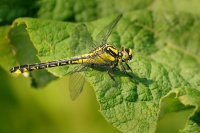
{"type": "Point", "coordinates": [126, 54]}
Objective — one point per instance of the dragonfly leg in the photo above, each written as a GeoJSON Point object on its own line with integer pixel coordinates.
{"type": "Point", "coordinates": [128, 66]}
{"type": "Point", "coordinates": [124, 70]}
{"type": "Point", "coordinates": [109, 73]}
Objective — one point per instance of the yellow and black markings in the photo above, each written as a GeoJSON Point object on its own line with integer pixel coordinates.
{"type": "Point", "coordinates": [102, 55]}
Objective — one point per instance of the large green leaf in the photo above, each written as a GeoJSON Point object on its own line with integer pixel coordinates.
{"type": "Point", "coordinates": [163, 60]}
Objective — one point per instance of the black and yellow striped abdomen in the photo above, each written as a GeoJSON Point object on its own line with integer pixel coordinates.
{"type": "Point", "coordinates": [36, 66]}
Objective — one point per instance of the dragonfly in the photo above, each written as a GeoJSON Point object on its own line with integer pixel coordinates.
{"type": "Point", "coordinates": [102, 54]}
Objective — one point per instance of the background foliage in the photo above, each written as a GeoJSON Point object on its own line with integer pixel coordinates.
{"type": "Point", "coordinates": [162, 97]}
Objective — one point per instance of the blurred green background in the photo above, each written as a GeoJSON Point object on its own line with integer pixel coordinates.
{"type": "Point", "coordinates": [48, 110]}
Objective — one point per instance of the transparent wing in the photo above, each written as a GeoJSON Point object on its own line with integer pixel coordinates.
{"type": "Point", "coordinates": [105, 33]}
{"type": "Point", "coordinates": [84, 35]}
{"type": "Point", "coordinates": [82, 43]}
{"type": "Point", "coordinates": [81, 40]}
{"type": "Point", "coordinates": [76, 83]}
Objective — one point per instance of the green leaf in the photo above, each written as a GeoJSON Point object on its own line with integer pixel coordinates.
{"type": "Point", "coordinates": [7, 59]}
{"type": "Point", "coordinates": [12, 9]}
{"type": "Point", "coordinates": [177, 6]}
{"type": "Point", "coordinates": [178, 107]}
{"type": "Point", "coordinates": [86, 10]}
{"type": "Point", "coordinates": [133, 106]}
{"type": "Point", "coordinates": [178, 32]}
{"type": "Point", "coordinates": [162, 61]}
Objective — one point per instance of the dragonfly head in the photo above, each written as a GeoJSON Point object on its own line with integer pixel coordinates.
{"type": "Point", "coordinates": [126, 54]}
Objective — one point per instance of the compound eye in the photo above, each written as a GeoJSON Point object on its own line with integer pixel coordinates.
{"type": "Point", "coordinates": [130, 52]}
{"type": "Point", "coordinates": [127, 50]}
{"type": "Point", "coordinates": [130, 57]}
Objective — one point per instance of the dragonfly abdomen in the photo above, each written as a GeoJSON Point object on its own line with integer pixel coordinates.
{"type": "Point", "coordinates": [36, 66]}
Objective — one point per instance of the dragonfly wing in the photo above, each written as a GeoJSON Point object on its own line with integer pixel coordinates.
{"type": "Point", "coordinates": [76, 83]}
{"type": "Point", "coordinates": [81, 40]}
{"type": "Point", "coordinates": [105, 33]}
